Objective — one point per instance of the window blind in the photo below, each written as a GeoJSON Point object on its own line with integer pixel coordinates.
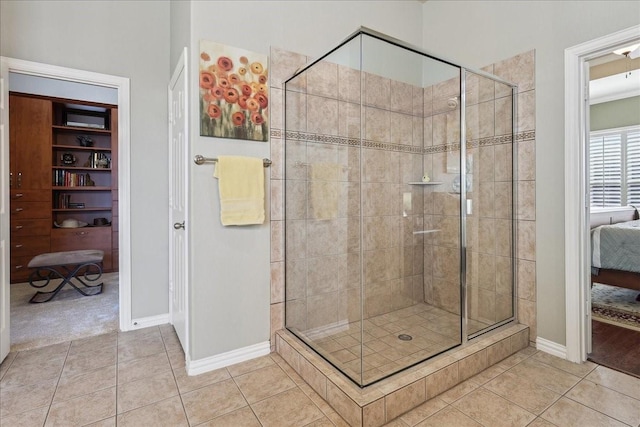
{"type": "Point", "coordinates": [614, 168]}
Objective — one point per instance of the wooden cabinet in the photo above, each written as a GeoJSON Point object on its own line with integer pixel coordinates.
{"type": "Point", "coordinates": [63, 166]}
{"type": "Point", "coordinates": [30, 120]}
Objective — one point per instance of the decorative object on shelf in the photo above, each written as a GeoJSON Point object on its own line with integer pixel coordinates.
{"type": "Point", "coordinates": [85, 141]}
{"type": "Point", "coordinates": [88, 181]}
{"type": "Point", "coordinates": [425, 178]}
{"type": "Point", "coordinates": [70, 223]}
{"type": "Point", "coordinates": [68, 159]}
{"type": "Point", "coordinates": [100, 222]}
{"type": "Point", "coordinates": [234, 93]}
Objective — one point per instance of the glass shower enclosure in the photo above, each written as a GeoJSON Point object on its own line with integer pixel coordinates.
{"type": "Point", "coordinates": [399, 196]}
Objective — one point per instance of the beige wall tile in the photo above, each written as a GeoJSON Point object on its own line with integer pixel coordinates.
{"type": "Point", "coordinates": [527, 280]}
{"type": "Point", "coordinates": [472, 365]}
{"type": "Point", "coordinates": [504, 116]}
{"type": "Point", "coordinates": [322, 79]}
{"type": "Point", "coordinates": [343, 405]}
{"type": "Point", "coordinates": [322, 115]}
{"type": "Point", "coordinates": [349, 119]}
{"type": "Point", "coordinates": [527, 160]}
{"type": "Point", "coordinates": [442, 380]}
{"type": "Point", "coordinates": [277, 318]}
{"type": "Point", "coordinates": [526, 240]}
{"type": "Point", "coordinates": [373, 414]}
{"type": "Point", "coordinates": [401, 131]}
{"type": "Point", "coordinates": [377, 91]}
{"type": "Point", "coordinates": [406, 398]}
{"type": "Point", "coordinates": [401, 97]}
{"type": "Point", "coordinates": [277, 241]}
{"type": "Point", "coordinates": [283, 64]}
{"type": "Point", "coordinates": [277, 282]}
{"type": "Point", "coordinates": [526, 208]}
{"type": "Point", "coordinates": [519, 69]}
{"type": "Point", "coordinates": [276, 108]}
{"type": "Point", "coordinates": [349, 82]}
{"type": "Point", "coordinates": [526, 111]}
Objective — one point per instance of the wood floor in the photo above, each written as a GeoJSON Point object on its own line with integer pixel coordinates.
{"type": "Point", "coordinates": [615, 347]}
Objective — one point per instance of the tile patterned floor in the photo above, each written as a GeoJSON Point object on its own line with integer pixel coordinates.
{"type": "Point", "coordinates": [138, 379]}
{"type": "Point", "coordinates": [433, 331]}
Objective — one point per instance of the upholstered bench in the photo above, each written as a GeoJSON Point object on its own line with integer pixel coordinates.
{"type": "Point", "coordinates": [68, 266]}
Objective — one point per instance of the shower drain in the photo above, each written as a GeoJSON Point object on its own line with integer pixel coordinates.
{"type": "Point", "coordinates": [405, 337]}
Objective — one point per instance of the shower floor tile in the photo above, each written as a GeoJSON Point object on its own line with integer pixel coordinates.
{"type": "Point", "coordinates": [431, 331]}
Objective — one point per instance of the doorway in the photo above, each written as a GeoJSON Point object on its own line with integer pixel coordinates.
{"type": "Point", "coordinates": [577, 185]}
{"type": "Point", "coordinates": [614, 169]}
{"type": "Point", "coordinates": [121, 85]}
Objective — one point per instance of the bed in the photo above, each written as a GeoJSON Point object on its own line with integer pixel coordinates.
{"type": "Point", "coordinates": [615, 255]}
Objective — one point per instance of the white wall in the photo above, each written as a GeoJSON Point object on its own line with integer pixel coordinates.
{"type": "Point", "coordinates": [231, 273]}
{"type": "Point", "coordinates": [481, 32]}
{"type": "Point", "coordinates": [122, 38]}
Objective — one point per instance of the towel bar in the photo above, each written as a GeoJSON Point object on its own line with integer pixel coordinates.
{"type": "Point", "coordinates": [199, 160]}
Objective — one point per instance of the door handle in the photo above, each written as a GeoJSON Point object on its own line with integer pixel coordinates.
{"type": "Point", "coordinates": [19, 245]}
{"type": "Point", "coordinates": [19, 209]}
{"type": "Point", "coordinates": [19, 179]}
{"type": "Point", "coordinates": [19, 227]}
{"type": "Point", "coordinates": [178, 225]}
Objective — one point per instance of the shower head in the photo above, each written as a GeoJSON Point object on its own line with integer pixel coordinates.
{"type": "Point", "coordinates": [452, 102]}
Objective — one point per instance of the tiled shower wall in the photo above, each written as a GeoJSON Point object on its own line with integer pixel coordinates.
{"type": "Point", "coordinates": [396, 121]}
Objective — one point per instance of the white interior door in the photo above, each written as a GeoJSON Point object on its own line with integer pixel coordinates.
{"type": "Point", "coordinates": [178, 191]}
{"type": "Point", "coordinates": [5, 335]}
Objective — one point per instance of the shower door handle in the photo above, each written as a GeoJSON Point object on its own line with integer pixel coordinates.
{"type": "Point", "coordinates": [178, 225]}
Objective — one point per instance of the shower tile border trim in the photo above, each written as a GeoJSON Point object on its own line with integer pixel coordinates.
{"type": "Point", "coordinates": [372, 405]}
{"type": "Point", "coordinates": [355, 142]}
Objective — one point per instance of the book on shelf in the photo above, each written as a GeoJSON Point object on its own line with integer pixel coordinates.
{"type": "Point", "coordinates": [64, 178]}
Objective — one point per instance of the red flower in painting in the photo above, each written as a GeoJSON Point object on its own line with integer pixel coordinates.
{"type": "Point", "coordinates": [242, 102]}
{"type": "Point", "coordinates": [257, 118]}
{"type": "Point", "coordinates": [262, 100]}
{"type": "Point", "coordinates": [223, 82]}
{"type": "Point", "coordinates": [231, 95]}
{"type": "Point", "coordinates": [214, 111]}
{"type": "Point", "coordinates": [207, 80]}
{"type": "Point", "coordinates": [244, 60]}
{"type": "Point", "coordinates": [237, 118]}
{"type": "Point", "coordinates": [246, 90]}
{"type": "Point", "coordinates": [217, 92]}
{"type": "Point", "coordinates": [262, 79]}
{"type": "Point", "coordinates": [225, 63]}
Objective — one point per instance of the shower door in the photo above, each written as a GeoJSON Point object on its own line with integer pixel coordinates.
{"type": "Point", "coordinates": [398, 194]}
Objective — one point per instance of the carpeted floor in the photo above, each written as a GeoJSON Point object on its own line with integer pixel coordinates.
{"type": "Point", "coordinates": [68, 316]}
{"type": "Point", "coordinates": [617, 306]}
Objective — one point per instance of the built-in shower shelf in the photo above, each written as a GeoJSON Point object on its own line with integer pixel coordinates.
{"type": "Point", "coordinates": [425, 231]}
{"type": "Point", "coordinates": [425, 183]}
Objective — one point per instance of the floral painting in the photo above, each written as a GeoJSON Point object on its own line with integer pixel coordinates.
{"type": "Point", "coordinates": [234, 95]}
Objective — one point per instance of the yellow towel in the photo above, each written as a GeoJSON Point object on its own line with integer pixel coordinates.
{"type": "Point", "coordinates": [324, 190]}
{"type": "Point", "coordinates": [241, 184]}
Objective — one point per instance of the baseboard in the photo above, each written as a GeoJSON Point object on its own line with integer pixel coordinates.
{"type": "Point", "coordinates": [200, 366]}
{"type": "Point", "coordinates": [551, 347]}
{"type": "Point", "coordinates": [145, 322]}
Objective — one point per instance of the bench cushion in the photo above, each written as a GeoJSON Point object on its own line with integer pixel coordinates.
{"type": "Point", "coordinates": [66, 258]}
